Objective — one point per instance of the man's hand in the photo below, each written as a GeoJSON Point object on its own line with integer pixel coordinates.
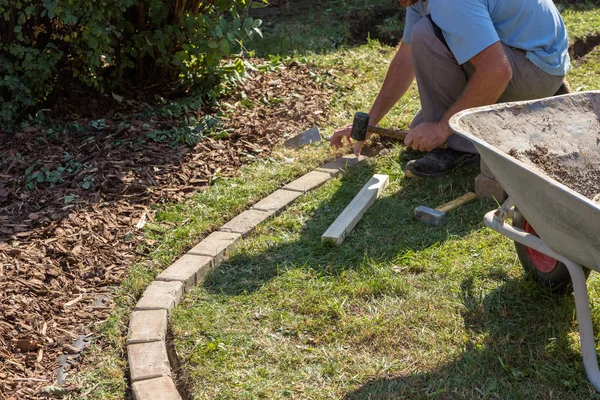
{"type": "Point", "coordinates": [358, 147]}
{"type": "Point", "coordinates": [337, 140]}
{"type": "Point", "coordinates": [427, 136]}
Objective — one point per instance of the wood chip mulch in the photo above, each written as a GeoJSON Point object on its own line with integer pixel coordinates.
{"type": "Point", "coordinates": [66, 242]}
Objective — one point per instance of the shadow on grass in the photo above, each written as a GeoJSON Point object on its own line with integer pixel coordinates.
{"type": "Point", "coordinates": [387, 232]}
{"type": "Point", "coordinates": [522, 349]}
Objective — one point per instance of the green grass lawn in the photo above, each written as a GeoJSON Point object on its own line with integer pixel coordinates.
{"type": "Point", "coordinates": [400, 310]}
{"type": "Point", "coordinates": [581, 20]}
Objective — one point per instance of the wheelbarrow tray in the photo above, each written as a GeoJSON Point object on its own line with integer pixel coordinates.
{"type": "Point", "coordinates": [567, 221]}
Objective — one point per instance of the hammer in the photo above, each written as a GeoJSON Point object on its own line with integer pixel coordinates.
{"type": "Point", "coordinates": [360, 127]}
{"type": "Point", "coordinates": [437, 217]}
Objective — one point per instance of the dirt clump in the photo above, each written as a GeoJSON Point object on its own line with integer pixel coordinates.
{"type": "Point", "coordinates": [569, 169]}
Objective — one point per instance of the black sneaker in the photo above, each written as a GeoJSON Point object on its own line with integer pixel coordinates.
{"type": "Point", "coordinates": [437, 162]}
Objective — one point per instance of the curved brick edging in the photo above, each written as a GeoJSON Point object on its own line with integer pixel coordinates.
{"type": "Point", "coordinates": [149, 367]}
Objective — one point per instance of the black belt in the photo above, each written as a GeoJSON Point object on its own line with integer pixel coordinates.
{"type": "Point", "coordinates": [438, 32]}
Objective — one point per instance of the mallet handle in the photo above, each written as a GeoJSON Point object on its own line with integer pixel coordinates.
{"type": "Point", "coordinates": [387, 132]}
{"type": "Point", "coordinates": [451, 205]}
{"type": "Point", "coordinates": [360, 127]}
{"type": "Point", "coordinates": [400, 135]}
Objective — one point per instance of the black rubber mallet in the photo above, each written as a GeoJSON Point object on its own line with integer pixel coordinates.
{"type": "Point", "coordinates": [360, 127]}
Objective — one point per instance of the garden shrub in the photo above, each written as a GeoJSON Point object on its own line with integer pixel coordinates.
{"type": "Point", "coordinates": [28, 56]}
{"type": "Point", "coordinates": [106, 44]}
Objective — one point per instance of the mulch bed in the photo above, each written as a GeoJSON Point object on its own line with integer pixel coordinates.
{"type": "Point", "coordinates": [565, 170]}
{"type": "Point", "coordinates": [64, 246]}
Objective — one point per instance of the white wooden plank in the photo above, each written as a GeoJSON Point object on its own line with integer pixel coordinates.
{"type": "Point", "coordinates": [348, 219]}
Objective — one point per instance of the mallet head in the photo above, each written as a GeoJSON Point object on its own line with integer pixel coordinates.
{"type": "Point", "coordinates": [360, 126]}
{"type": "Point", "coordinates": [430, 216]}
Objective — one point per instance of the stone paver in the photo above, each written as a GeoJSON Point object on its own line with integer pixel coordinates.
{"type": "Point", "coordinates": [189, 269]}
{"type": "Point", "coordinates": [487, 188]}
{"type": "Point", "coordinates": [147, 326]}
{"type": "Point", "coordinates": [245, 222]}
{"type": "Point", "coordinates": [160, 296]}
{"type": "Point", "coordinates": [277, 201]}
{"type": "Point", "coordinates": [340, 164]}
{"type": "Point", "coordinates": [161, 388]}
{"type": "Point", "coordinates": [216, 244]}
{"type": "Point", "coordinates": [307, 182]}
{"type": "Point", "coordinates": [148, 360]}
{"type": "Point", "coordinates": [149, 367]}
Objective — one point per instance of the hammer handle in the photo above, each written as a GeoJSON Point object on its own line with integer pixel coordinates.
{"type": "Point", "coordinates": [451, 205]}
{"type": "Point", "coordinates": [387, 132]}
{"type": "Point", "coordinates": [400, 135]}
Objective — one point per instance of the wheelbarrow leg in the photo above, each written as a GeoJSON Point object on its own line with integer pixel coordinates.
{"type": "Point", "coordinates": [584, 319]}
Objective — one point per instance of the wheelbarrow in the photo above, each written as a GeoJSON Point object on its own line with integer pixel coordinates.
{"type": "Point", "coordinates": [556, 228]}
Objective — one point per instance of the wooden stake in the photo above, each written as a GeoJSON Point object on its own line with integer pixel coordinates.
{"type": "Point", "coordinates": [348, 219]}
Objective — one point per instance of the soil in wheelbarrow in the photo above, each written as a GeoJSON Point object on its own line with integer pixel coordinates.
{"type": "Point", "coordinates": [566, 169]}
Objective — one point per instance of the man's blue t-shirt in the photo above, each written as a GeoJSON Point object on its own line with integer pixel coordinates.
{"type": "Point", "coordinates": [470, 26]}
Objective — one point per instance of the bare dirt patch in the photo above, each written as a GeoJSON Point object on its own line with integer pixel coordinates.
{"type": "Point", "coordinates": [583, 46]}
{"type": "Point", "coordinates": [68, 235]}
{"type": "Point", "coordinates": [367, 25]}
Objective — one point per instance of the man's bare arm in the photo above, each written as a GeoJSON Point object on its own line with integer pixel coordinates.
{"type": "Point", "coordinates": [397, 80]}
{"type": "Point", "coordinates": [492, 75]}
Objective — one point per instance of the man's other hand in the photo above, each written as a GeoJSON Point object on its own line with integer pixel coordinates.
{"type": "Point", "coordinates": [358, 147]}
{"type": "Point", "coordinates": [337, 139]}
{"type": "Point", "coordinates": [427, 136]}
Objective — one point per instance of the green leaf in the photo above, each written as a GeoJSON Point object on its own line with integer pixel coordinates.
{"type": "Point", "coordinates": [92, 42]}
{"type": "Point", "coordinates": [256, 4]}
{"type": "Point", "coordinates": [38, 177]}
{"type": "Point", "coordinates": [225, 47]}
{"type": "Point", "coordinates": [162, 48]}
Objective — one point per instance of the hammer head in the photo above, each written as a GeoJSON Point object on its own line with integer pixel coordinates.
{"type": "Point", "coordinates": [430, 216]}
{"type": "Point", "coordinates": [360, 126]}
